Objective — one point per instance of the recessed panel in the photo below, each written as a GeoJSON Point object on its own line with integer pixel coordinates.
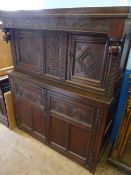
{"type": "Point", "coordinates": [29, 51]}
{"type": "Point", "coordinates": [86, 61]}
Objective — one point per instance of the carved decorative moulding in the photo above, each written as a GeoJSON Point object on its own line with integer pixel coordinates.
{"type": "Point", "coordinates": [73, 110]}
{"type": "Point", "coordinates": [60, 23]}
{"type": "Point", "coordinates": [28, 92]}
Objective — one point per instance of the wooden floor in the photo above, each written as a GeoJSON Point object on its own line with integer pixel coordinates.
{"type": "Point", "coordinates": [20, 154]}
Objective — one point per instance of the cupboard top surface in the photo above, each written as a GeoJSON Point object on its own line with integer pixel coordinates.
{"type": "Point", "coordinates": [83, 11]}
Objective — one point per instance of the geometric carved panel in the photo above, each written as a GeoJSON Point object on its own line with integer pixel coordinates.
{"type": "Point", "coordinates": [88, 60]}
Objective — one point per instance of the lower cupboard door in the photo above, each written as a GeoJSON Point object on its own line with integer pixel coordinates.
{"type": "Point", "coordinates": [69, 136]}
{"type": "Point", "coordinates": [78, 141]}
{"type": "Point", "coordinates": [32, 118]}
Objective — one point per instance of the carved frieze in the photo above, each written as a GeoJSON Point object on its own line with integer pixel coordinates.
{"type": "Point", "coordinates": [75, 111]}
{"type": "Point", "coordinates": [60, 23]}
{"type": "Point", "coordinates": [36, 96]}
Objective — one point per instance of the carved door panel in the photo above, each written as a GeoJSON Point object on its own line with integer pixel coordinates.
{"type": "Point", "coordinates": [31, 117]}
{"type": "Point", "coordinates": [29, 51]}
{"type": "Point", "coordinates": [86, 61]}
{"type": "Point", "coordinates": [55, 54]}
{"type": "Point", "coordinates": [57, 132]}
{"type": "Point", "coordinates": [25, 114]}
{"type": "Point", "coordinates": [31, 102]}
{"type": "Point", "coordinates": [70, 124]}
{"type": "Point", "coordinates": [78, 141]}
{"type": "Point", "coordinates": [39, 121]}
{"type": "Point", "coordinates": [69, 136]}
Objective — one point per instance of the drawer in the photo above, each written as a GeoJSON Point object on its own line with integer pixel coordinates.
{"type": "Point", "coordinates": [29, 92]}
{"type": "Point", "coordinates": [67, 107]}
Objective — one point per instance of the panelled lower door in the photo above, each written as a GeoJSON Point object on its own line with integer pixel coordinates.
{"type": "Point", "coordinates": [70, 125]}
{"type": "Point", "coordinates": [30, 101]}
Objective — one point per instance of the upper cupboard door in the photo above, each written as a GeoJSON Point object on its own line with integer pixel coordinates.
{"type": "Point", "coordinates": [86, 60]}
{"type": "Point", "coordinates": [55, 54]}
{"type": "Point", "coordinates": [29, 51]}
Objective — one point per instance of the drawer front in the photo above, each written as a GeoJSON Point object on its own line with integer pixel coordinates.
{"type": "Point", "coordinates": [34, 94]}
{"type": "Point", "coordinates": [66, 107]}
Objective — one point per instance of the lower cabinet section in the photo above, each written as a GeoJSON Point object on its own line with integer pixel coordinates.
{"type": "Point", "coordinates": [68, 122]}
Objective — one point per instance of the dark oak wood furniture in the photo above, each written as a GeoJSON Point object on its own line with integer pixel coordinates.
{"type": "Point", "coordinates": [68, 63]}
{"type": "Point", "coordinates": [4, 87]}
{"type": "Point", "coordinates": [121, 151]}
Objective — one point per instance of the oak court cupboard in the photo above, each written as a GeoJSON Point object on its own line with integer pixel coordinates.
{"type": "Point", "coordinates": [67, 68]}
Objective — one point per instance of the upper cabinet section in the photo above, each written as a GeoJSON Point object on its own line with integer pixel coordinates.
{"type": "Point", "coordinates": [82, 60]}
{"type": "Point", "coordinates": [81, 47]}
